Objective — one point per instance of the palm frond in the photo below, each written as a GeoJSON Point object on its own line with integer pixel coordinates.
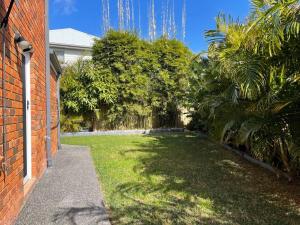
{"type": "Point", "coordinates": [247, 129]}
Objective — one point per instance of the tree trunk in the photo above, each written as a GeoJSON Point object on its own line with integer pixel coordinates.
{"type": "Point", "coordinates": [284, 155]}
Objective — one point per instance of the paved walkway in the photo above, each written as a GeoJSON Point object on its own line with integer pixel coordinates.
{"type": "Point", "coordinates": [68, 193]}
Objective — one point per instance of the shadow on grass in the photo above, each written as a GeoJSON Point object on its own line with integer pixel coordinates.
{"type": "Point", "coordinates": [189, 180]}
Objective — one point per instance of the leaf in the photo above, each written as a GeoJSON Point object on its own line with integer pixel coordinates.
{"type": "Point", "coordinates": [227, 128]}
{"type": "Point", "coordinates": [247, 129]}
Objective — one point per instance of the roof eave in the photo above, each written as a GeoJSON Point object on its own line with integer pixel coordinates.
{"type": "Point", "coordinates": [68, 46]}
{"type": "Point", "coordinates": [55, 63]}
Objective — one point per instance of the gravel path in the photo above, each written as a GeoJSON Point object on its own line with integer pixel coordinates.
{"type": "Point", "coordinates": [68, 193]}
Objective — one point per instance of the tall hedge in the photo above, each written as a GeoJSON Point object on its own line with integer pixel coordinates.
{"type": "Point", "coordinates": [130, 83]}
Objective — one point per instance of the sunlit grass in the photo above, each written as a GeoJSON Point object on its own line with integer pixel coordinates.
{"type": "Point", "coordinates": [183, 179]}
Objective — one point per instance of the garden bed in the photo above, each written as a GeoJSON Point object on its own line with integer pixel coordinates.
{"type": "Point", "coordinates": [124, 132]}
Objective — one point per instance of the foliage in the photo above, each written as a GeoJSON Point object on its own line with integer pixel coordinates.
{"type": "Point", "coordinates": [150, 77]}
{"type": "Point", "coordinates": [122, 54]}
{"type": "Point", "coordinates": [185, 179]}
{"type": "Point", "coordinates": [71, 123]}
{"type": "Point", "coordinates": [130, 83]}
{"type": "Point", "coordinates": [170, 82]}
{"type": "Point", "coordinates": [87, 90]}
{"type": "Point", "coordinates": [247, 88]}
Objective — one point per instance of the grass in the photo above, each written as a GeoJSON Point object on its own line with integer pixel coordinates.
{"type": "Point", "coordinates": [185, 179]}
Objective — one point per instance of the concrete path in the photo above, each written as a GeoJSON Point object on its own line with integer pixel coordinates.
{"type": "Point", "coordinates": [68, 193]}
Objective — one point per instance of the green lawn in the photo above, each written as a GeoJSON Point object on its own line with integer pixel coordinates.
{"type": "Point", "coordinates": [185, 179]}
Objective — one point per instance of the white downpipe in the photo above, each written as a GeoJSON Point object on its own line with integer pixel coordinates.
{"type": "Point", "coordinates": [28, 118]}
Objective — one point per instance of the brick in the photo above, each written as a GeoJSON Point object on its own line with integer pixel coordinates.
{"type": "Point", "coordinates": [28, 19]}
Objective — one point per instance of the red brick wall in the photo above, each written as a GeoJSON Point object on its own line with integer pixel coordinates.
{"type": "Point", "coordinates": [27, 17]}
{"type": "Point", "coordinates": [54, 114]}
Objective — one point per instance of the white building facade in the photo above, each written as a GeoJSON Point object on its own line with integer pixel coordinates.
{"type": "Point", "coordinates": [70, 45]}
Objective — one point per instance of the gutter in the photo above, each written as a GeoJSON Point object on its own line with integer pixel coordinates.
{"type": "Point", "coordinates": [58, 70]}
{"type": "Point", "coordinates": [75, 47]}
{"type": "Point", "coordinates": [55, 63]}
{"type": "Point", "coordinates": [48, 103]}
{"type": "Point", "coordinates": [58, 112]}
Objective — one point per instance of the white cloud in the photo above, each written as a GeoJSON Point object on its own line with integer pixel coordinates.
{"type": "Point", "coordinates": [66, 7]}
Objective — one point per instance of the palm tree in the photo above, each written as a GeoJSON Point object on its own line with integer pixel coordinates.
{"type": "Point", "coordinates": [252, 100]}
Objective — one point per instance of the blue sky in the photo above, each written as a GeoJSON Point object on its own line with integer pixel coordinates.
{"type": "Point", "coordinates": [86, 16]}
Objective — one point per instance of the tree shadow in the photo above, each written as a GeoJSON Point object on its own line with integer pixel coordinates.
{"type": "Point", "coordinates": [91, 214]}
{"type": "Point", "coordinates": [187, 179]}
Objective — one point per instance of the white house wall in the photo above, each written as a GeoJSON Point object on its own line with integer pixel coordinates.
{"type": "Point", "coordinates": [72, 55]}
{"type": "Point", "coordinates": [70, 45]}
